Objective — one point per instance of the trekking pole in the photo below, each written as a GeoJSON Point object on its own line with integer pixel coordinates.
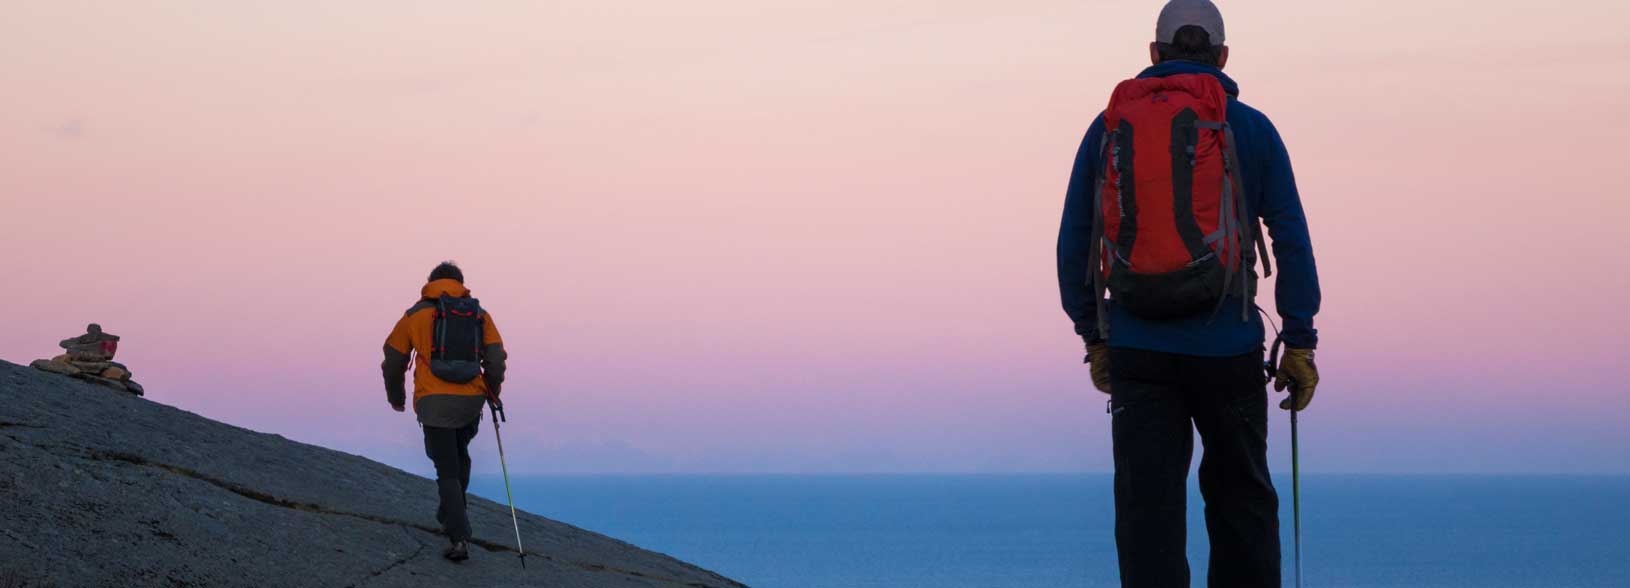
{"type": "Point", "coordinates": [497, 415]}
{"type": "Point", "coordinates": [1272, 367]}
{"type": "Point", "coordinates": [1295, 489]}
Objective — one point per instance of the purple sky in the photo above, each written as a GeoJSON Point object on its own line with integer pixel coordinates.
{"type": "Point", "coordinates": [734, 236]}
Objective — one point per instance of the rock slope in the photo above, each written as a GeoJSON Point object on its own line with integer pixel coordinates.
{"type": "Point", "coordinates": [101, 488]}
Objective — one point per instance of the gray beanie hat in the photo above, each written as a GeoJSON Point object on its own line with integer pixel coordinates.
{"type": "Point", "coordinates": [1180, 13]}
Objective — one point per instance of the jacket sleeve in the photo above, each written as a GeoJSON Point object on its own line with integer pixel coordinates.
{"type": "Point", "coordinates": [1296, 291]}
{"type": "Point", "coordinates": [1075, 237]}
{"type": "Point", "coordinates": [398, 346]}
{"type": "Point", "coordinates": [493, 357]}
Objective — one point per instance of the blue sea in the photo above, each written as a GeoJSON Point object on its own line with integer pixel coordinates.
{"type": "Point", "coordinates": [1056, 531]}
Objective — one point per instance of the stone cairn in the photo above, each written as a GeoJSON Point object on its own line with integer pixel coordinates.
{"type": "Point", "coordinates": [90, 358]}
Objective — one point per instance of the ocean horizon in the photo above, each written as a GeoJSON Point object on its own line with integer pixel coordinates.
{"type": "Point", "coordinates": [1056, 530]}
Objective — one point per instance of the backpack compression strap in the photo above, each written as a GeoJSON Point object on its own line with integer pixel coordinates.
{"type": "Point", "coordinates": [439, 342]}
{"type": "Point", "coordinates": [1244, 229]}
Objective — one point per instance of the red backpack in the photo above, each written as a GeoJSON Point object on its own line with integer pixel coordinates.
{"type": "Point", "coordinates": [1170, 234]}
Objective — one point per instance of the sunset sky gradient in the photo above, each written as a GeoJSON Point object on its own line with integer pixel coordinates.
{"type": "Point", "coordinates": [800, 236]}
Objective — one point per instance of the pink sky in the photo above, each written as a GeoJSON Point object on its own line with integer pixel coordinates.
{"type": "Point", "coordinates": [799, 236]}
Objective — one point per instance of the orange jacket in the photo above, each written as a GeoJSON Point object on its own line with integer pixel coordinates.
{"type": "Point", "coordinates": [412, 336]}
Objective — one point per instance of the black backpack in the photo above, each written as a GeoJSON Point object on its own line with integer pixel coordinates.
{"type": "Point", "coordinates": [456, 341]}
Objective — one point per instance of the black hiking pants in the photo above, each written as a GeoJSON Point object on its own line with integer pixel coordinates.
{"type": "Point", "coordinates": [449, 449]}
{"type": "Point", "coordinates": [1158, 400]}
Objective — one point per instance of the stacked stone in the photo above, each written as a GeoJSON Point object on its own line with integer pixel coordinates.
{"type": "Point", "coordinates": [89, 357]}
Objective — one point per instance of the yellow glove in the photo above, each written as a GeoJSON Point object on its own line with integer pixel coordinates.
{"type": "Point", "coordinates": [1297, 372]}
{"type": "Point", "coordinates": [1098, 359]}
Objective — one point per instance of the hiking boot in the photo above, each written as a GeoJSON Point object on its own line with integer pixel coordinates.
{"type": "Point", "coordinates": [458, 551]}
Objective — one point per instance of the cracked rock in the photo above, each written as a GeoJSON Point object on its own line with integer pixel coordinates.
{"type": "Point", "coordinates": [102, 488]}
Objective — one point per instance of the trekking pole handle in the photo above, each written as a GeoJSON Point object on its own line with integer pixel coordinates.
{"type": "Point", "coordinates": [497, 407]}
{"type": "Point", "coordinates": [1271, 365]}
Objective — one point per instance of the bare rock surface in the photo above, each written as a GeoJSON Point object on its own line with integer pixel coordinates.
{"type": "Point", "coordinates": [102, 488]}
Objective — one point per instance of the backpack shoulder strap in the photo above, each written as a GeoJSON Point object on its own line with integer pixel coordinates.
{"type": "Point", "coordinates": [1262, 251]}
{"type": "Point", "coordinates": [422, 304]}
{"type": "Point", "coordinates": [1252, 230]}
{"type": "Point", "coordinates": [481, 317]}
{"type": "Point", "coordinates": [1095, 265]}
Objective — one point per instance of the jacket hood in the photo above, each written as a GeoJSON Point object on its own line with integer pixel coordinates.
{"type": "Point", "coordinates": [1178, 67]}
{"type": "Point", "coordinates": [449, 287]}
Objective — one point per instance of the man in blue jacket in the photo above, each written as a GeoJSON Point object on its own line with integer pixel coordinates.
{"type": "Point", "coordinates": [1167, 378]}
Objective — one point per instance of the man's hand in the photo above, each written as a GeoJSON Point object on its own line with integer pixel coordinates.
{"type": "Point", "coordinates": [1098, 359]}
{"type": "Point", "coordinates": [399, 407]}
{"type": "Point", "coordinates": [1298, 373]}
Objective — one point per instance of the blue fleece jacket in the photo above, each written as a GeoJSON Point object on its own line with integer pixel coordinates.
{"type": "Point", "coordinates": [1270, 194]}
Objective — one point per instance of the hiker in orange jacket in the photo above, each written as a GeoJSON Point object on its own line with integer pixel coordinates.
{"type": "Point", "coordinates": [458, 359]}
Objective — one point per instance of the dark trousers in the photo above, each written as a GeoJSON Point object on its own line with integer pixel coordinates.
{"type": "Point", "coordinates": [1158, 400]}
{"type": "Point", "coordinates": [449, 449]}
